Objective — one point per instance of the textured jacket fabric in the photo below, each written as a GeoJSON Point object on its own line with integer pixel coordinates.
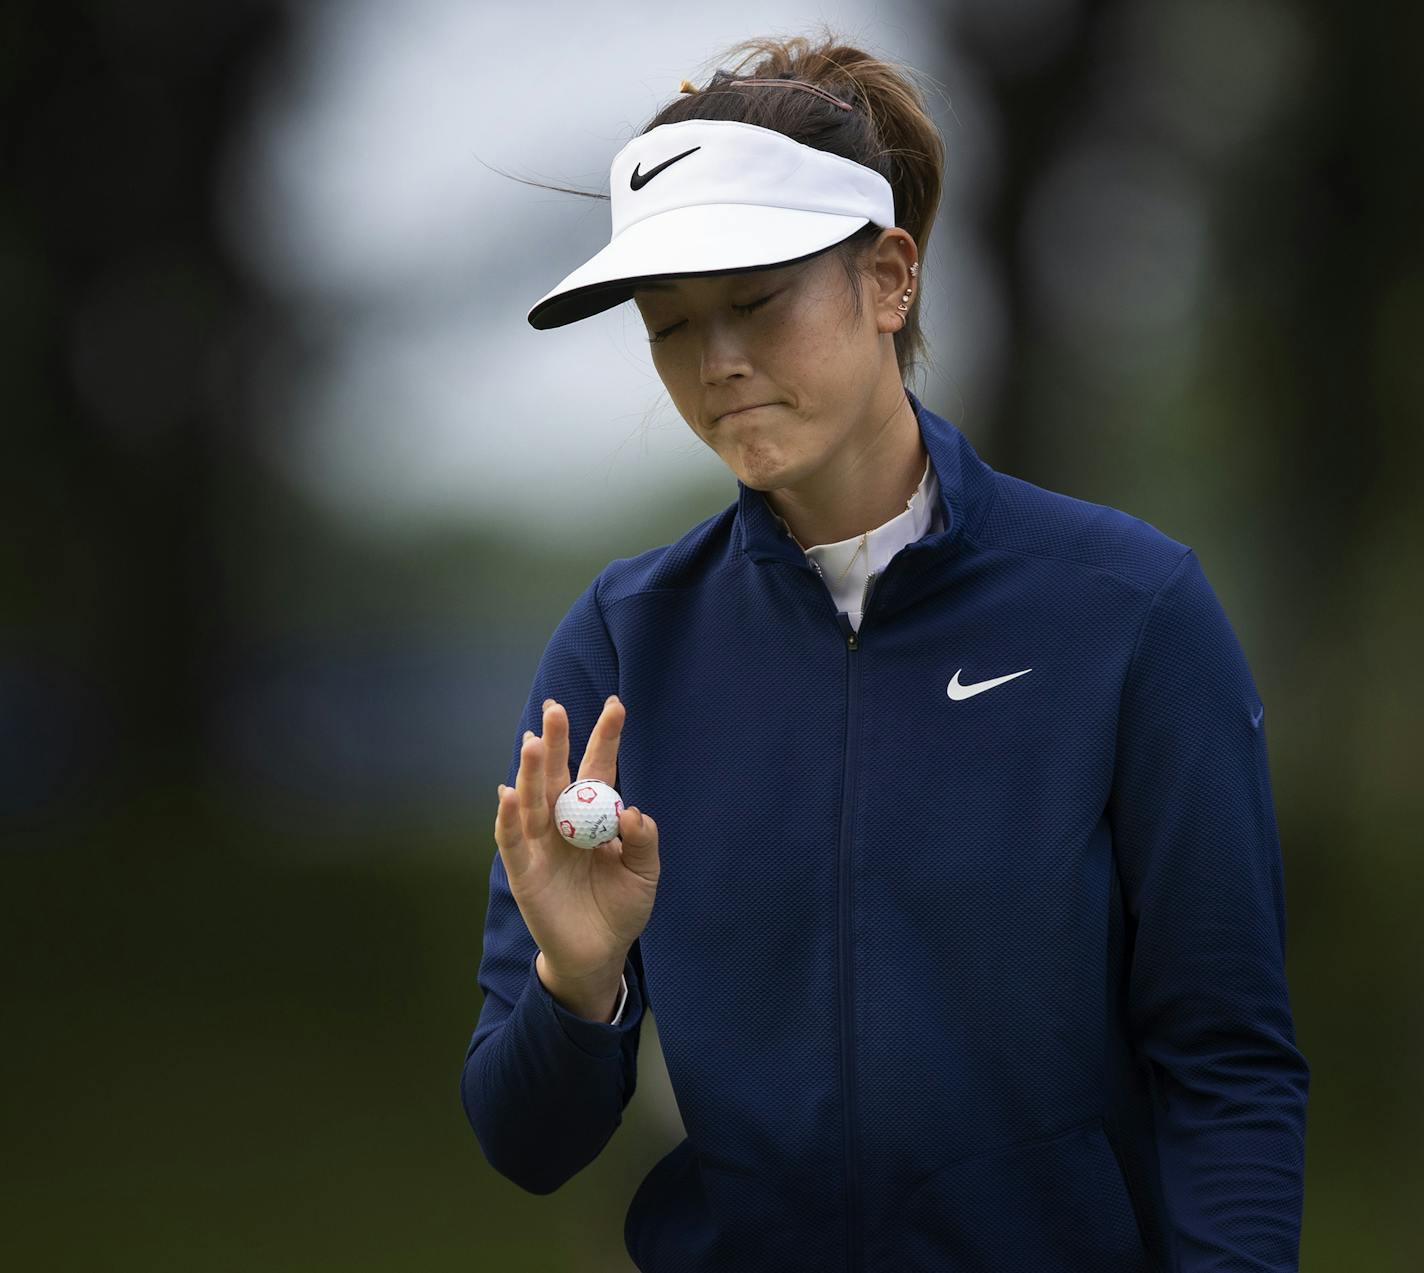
{"type": "Point", "coordinates": [867, 554]}
{"type": "Point", "coordinates": [962, 984]}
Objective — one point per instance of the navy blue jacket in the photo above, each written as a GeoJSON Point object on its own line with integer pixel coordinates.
{"type": "Point", "coordinates": [984, 984]}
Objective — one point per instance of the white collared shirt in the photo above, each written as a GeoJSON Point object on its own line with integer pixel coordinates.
{"type": "Point", "coordinates": [850, 559]}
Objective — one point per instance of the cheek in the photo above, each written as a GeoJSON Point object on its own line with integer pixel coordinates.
{"type": "Point", "coordinates": [673, 368]}
{"type": "Point", "coordinates": [821, 351]}
{"type": "Point", "coordinates": [826, 328]}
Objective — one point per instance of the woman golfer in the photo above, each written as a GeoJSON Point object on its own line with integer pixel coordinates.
{"type": "Point", "coordinates": [950, 858]}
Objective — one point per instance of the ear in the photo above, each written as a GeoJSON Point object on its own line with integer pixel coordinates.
{"type": "Point", "coordinates": [892, 256]}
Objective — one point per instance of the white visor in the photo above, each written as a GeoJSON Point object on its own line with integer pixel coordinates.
{"type": "Point", "coordinates": [708, 196]}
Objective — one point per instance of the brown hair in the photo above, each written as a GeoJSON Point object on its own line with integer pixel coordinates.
{"type": "Point", "coordinates": [887, 129]}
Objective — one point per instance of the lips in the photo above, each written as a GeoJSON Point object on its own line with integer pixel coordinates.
{"type": "Point", "coordinates": [738, 410]}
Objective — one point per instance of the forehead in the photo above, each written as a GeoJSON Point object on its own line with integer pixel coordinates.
{"type": "Point", "coordinates": [691, 282]}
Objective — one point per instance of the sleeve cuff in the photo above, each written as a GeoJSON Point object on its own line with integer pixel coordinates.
{"type": "Point", "coordinates": [597, 1038]}
{"type": "Point", "coordinates": [622, 998]}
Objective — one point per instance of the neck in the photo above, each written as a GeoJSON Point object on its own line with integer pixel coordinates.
{"type": "Point", "coordinates": [864, 487]}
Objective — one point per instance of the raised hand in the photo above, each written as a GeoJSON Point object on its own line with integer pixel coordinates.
{"type": "Point", "coordinates": [584, 907]}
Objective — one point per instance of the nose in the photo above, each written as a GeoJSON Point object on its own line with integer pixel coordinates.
{"type": "Point", "coordinates": [725, 354]}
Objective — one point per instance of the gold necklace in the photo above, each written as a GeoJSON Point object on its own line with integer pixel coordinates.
{"type": "Point", "coordinates": [909, 503]}
{"type": "Point", "coordinates": [853, 556]}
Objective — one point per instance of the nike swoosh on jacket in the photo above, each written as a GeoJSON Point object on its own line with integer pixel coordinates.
{"type": "Point", "coordinates": [973, 985]}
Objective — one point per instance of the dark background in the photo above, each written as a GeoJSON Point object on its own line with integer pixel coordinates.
{"type": "Point", "coordinates": [248, 756]}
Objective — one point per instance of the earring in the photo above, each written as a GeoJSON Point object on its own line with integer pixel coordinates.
{"type": "Point", "coordinates": [904, 305]}
{"type": "Point", "coordinates": [904, 300]}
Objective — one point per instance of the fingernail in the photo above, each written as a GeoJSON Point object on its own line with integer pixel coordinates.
{"type": "Point", "coordinates": [547, 701]}
{"type": "Point", "coordinates": [528, 734]}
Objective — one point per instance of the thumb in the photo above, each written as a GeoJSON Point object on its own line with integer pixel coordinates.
{"type": "Point", "coordinates": [640, 841]}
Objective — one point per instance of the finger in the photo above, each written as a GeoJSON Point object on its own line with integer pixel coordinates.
{"type": "Point", "coordinates": [529, 782]}
{"type": "Point", "coordinates": [556, 747]}
{"type": "Point", "coordinates": [600, 757]}
{"type": "Point", "coordinates": [508, 834]}
{"type": "Point", "coordinates": [640, 842]}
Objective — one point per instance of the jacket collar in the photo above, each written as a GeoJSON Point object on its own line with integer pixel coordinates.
{"type": "Point", "coordinates": [966, 487]}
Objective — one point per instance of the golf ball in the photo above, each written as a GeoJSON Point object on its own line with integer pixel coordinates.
{"type": "Point", "coordinates": [586, 813]}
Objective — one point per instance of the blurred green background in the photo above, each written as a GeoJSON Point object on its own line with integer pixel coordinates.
{"type": "Point", "coordinates": [251, 719]}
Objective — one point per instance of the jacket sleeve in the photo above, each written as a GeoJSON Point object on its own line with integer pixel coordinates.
{"type": "Point", "coordinates": [1194, 831]}
{"type": "Point", "coordinates": [544, 1089]}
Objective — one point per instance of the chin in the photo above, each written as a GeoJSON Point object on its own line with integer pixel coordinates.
{"type": "Point", "coordinates": [764, 468]}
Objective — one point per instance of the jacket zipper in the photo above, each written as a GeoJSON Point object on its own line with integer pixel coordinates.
{"type": "Point", "coordinates": [843, 919]}
{"type": "Point", "coordinates": [864, 598]}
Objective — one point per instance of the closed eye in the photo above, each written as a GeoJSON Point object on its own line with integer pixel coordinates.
{"type": "Point", "coordinates": [743, 309]}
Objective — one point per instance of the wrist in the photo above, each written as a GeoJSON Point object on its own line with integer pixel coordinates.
{"type": "Point", "coordinates": [593, 997]}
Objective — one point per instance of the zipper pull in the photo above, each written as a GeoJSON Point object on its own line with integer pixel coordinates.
{"type": "Point", "coordinates": [853, 642]}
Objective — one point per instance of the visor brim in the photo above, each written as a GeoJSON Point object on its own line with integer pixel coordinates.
{"type": "Point", "coordinates": [686, 243]}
